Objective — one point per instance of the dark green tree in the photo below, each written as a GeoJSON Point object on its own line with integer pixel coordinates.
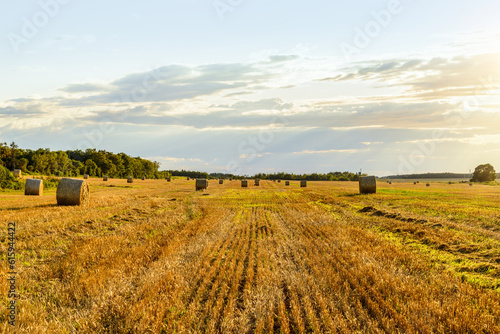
{"type": "Point", "coordinates": [484, 173]}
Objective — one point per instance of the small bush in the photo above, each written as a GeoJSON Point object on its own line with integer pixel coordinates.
{"type": "Point", "coordinates": [8, 181]}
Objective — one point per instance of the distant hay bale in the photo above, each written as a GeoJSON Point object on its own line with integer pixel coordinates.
{"type": "Point", "coordinates": [33, 187]}
{"type": "Point", "coordinates": [17, 173]}
{"type": "Point", "coordinates": [221, 181]}
{"type": "Point", "coordinates": [130, 179]}
{"type": "Point", "coordinates": [450, 182]}
{"type": "Point", "coordinates": [367, 185]}
{"type": "Point", "coordinates": [86, 176]}
{"type": "Point", "coordinates": [470, 184]}
{"type": "Point", "coordinates": [279, 181]}
{"type": "Point", "coordinates": [303, 183]}
{"type": "Point", "coordinates": [168, 179]}
{"type": "Point", "coordinates": [427, 184]}
{"type": "Point", "coordinates": [143, 178]}
{"type": "Point", "coordinates": [188, 179]}
{"type": "Point", "coordinates": [105, 178]}
{"type": "Point", "coordinates": [257, 182]}
{"type": "Point", "coordinates": [72, 192]}
{"type": "Point", "coordinates": [414, 182]}
{"type": "Point", "coordinates": [244, 183]}
{"type": "Point", "coordinates": [287, 183]}
{"type": "Point", "coordinates": [389, 182]}
{"type": "Point", "coordinates": [201, 184]}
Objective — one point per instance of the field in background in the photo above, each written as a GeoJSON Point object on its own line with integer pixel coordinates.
{"type": "Point", "coordinates": [157, 256]}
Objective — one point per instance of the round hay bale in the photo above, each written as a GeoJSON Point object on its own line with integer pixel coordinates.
{"type": "Point", "coordinates": [279, 181]}
{"type": "Point", "coordinates": [470, 184]}
{"type": "Point", "coordinates": [427, 184]}
{"type": "Point", "coordinates": [244, 183]}
{"type": "Point", "coordinates": [143, 178]}
{"type": "Point", "coordinates": [221, 181]}
{"type": "Point", "coordinates": [257, 182]}
{"type": "Point", "coordinates": [414, 182]}
{"type": "Point", "coordinates": [17, 173]}
{"type": "Point", "coordinates": [33, 187]}
{"type": "Point", "coordinates": [287, 183]}
{"type": "Point", "coordinates": [450, 182]}
{"type": "Point", "coordinates": [130, 179]}
{"type": "Point", "coordinates": [105, 178]}
{"type": "Point", "coordinates": [367, 185]}
{"type": "Point", "coordinates": [72, 192]}
{"type": "Point", "coordinates": [86, 176]}
{"type": "Point", "coordinates": [303, 183]}
{"type": "Point", "coordinates": [201, 184]}
{"type": "Point", "coordinates": [188, 179]}
{"type": "Point", "coordinates": [169, 179]}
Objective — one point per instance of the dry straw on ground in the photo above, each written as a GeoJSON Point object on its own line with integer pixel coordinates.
{"type": "Point", "coordinates": [201, 184]}
{"type": "Point", "coordinates": [72, 192]}
{"type": "Point", "coordinates": [367, 185]}
{"type": "Point", "coordinates": [33, 187]}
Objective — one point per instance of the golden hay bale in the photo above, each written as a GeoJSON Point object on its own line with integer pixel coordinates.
{"type": "Point", "coordinates": [188, 179]}
{"type": "Point", "coordinates": [143, 178]}
{"type": "Point", "coordinates": [244, 183]}
{"type": "Point", "coordinates": [168, 179]}
{"type": "Point", "coordinates": [303, 183]}
{"type": "Point", "coordinates": [221, 181]}
{"type": "Point", "coordinates": [367, 185]}
{"type": "Point", "coordinates": [470, 184]}
{"type": "Point", "coordinates": [17, 173]}
{"type": "Point", "coordinates": [72, 192]}
{"type": "Point", "coordinates": [201, 184]}
{"type": "Point", "coordinates": [130, 179]}
{"type": "Point", "coordinates": [105, 178]}
{"type": "Point", "coordinates": [287, 183]}
{"type": "Point", "coordinates": [86, 176]}
{"type": "Point", "coordinates": [257, 182]}
{"type": "Point", "coordinates": [33, 187]}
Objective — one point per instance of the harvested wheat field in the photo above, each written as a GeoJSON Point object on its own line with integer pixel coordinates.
{"type": "Point", "coordinates": [158, 256]}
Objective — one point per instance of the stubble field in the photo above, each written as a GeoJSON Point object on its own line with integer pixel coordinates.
{"type": "Point", "coordinates": [155, 257]}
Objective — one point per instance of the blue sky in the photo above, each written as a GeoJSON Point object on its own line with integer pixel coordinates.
{"type": "Point", "coordinates": [253, 86]}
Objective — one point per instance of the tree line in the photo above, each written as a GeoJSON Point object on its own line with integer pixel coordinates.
{"type": "Point", "coordinates": [77, 162]}
{"type": "Point", "coordinates": [332, 176]}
